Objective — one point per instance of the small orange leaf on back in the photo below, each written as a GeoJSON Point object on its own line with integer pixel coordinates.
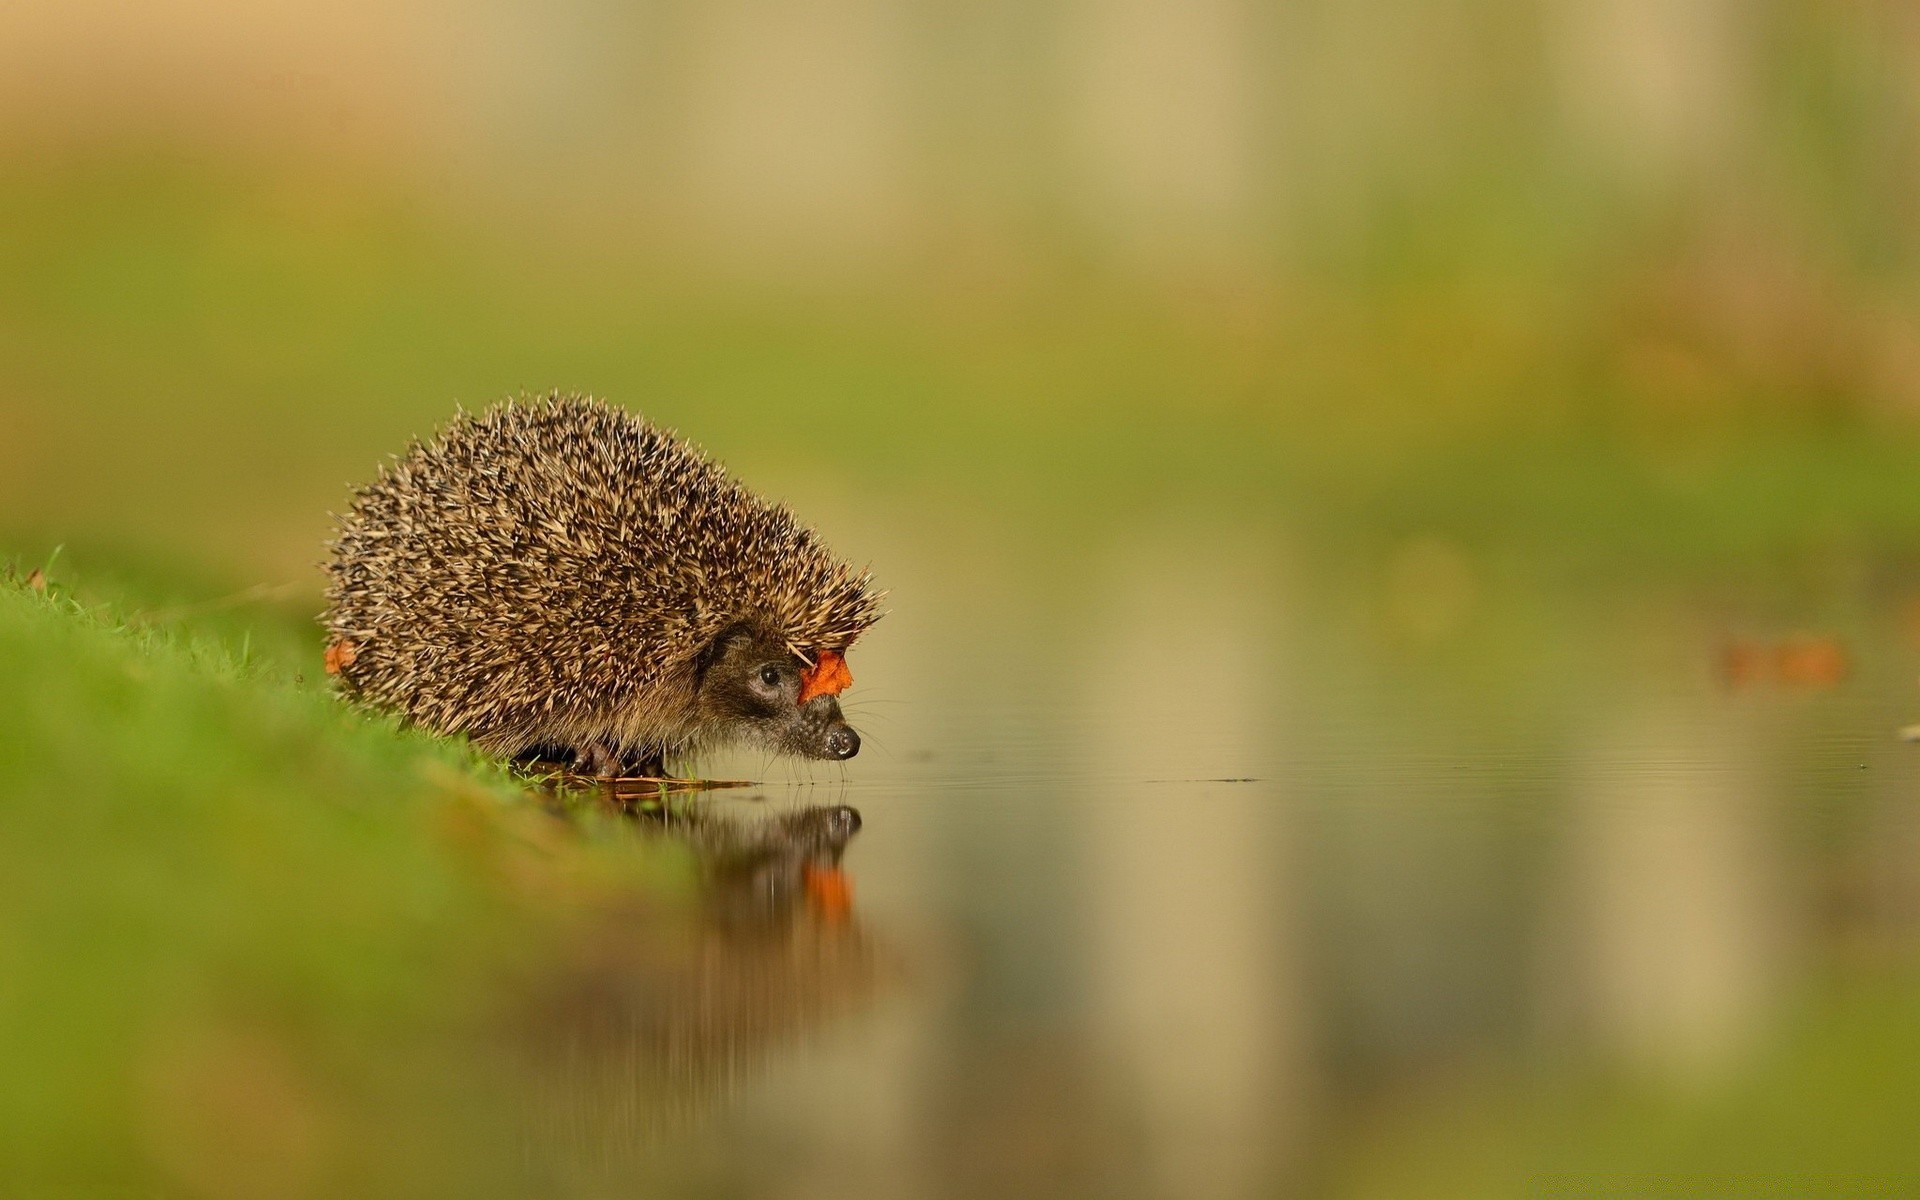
{"type": "Point", "coordinates": [340, 656]}
{"type": "Point", "coordinates": [828, 676]}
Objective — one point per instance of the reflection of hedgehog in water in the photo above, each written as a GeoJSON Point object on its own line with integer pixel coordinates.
{"type": "Point", "coordinates": [755, 874]}
{"type": "Point", "coordinates": [668, 1010]}
{"type": "Point", "coordinates": [559, 575]}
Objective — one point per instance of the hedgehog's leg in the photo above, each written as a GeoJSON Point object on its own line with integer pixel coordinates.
{"type": "Point", "coordinates": [648, 764]}
{"type": "Point", "coordinates": [598, 759]}
{"type": "Point", "coordinates": [604, 760]}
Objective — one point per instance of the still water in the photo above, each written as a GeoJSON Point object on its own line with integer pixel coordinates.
{"type": "Point", "coordinates": [1220, 891]}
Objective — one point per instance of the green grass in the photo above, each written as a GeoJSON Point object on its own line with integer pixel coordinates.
{"type": "Point", "coordinates": [246, 931]}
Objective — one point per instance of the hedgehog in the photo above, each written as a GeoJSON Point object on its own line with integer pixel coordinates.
{"type": "Point", "coordinates": [558, 578]}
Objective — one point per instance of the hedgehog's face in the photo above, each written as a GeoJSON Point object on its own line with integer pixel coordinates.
{"type": "Point", "coordinates": [751, 688]}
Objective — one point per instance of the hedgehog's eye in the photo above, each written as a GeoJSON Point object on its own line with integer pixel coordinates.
{"type": "Point", "coordinates": [770, 675]}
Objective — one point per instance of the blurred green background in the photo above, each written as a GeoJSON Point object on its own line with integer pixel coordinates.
{"type": "Point", "coordinates": [1491, 423]}
{"type": "Point", "coordinates": [1634, 272]}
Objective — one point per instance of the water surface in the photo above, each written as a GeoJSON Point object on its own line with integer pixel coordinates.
{"type": "Point", "coordinates": [1221, 888]}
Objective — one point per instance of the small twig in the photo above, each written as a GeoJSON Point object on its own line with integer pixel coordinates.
{"type": "Point", "coordinates": [668, 781]}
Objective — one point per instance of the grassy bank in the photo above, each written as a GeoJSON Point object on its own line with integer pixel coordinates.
{"type": "Point", "coordinates": [250, 934]}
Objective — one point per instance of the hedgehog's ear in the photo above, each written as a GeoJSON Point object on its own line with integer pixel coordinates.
{"type": "Point", "coordinates": [716, 649]}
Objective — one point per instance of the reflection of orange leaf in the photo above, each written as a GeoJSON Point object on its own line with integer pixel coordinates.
{"type": "Point", "coordinates": [828, 676]}
{"type": "Point", "coordinates": [829, 892]}
{"type": "Point", "coordinates": [340, 656]}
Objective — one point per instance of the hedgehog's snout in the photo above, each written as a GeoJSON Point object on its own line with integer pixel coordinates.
{"type": "Point", "coordinates": [826, 732]}
{"type": "Point", "coordinates": [841, 741]}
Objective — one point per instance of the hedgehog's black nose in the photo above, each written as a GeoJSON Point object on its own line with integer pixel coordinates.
{"type": "Point", "coordinates": [842, 742]}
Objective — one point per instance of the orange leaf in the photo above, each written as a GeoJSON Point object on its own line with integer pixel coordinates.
{"type": "Point", "coordinates": [340, 656]}
{"type": "Point", "coordinates": [1819, 662]}
{"type": "Point", "coordinates": [828, 676]}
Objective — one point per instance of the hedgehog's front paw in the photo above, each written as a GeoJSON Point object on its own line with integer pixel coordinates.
{"type": "Point", "coordinates": [647, 764]}
{"type": "Point", "coordinates": [600, 760]}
